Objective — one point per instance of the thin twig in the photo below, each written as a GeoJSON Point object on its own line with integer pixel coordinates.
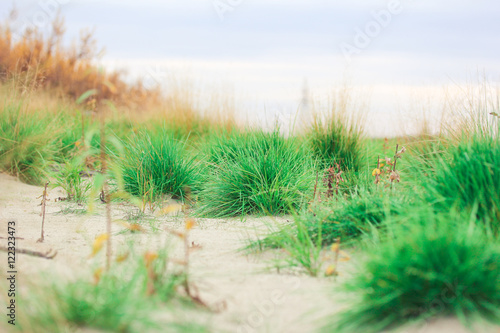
{"type": "Point", "coordinates": [47, 255]}
{"type": "Point", "coordinates": [44, 202]}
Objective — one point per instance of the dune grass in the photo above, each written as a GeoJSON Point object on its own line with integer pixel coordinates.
{"type": "Point", "coordinates": [336, 134]}
{"type": "Point", "coordinates": [333, 141]}
{"type": "Point", "coordinates": [469, 179]}
{"type": "Point", "coordinates": [256, 173]}
{"type": "Point", "coordinates": [432, 265]}
{"type": "Point", "coordinates": [157, 164]}
{"type": "Point", "coordinates": [27, 142]}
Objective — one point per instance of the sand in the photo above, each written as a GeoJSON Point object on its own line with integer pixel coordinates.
{"type": "Point", "coordinates": [251, 296]}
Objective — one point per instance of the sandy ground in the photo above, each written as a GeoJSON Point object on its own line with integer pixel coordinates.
{"type": "Point", "coordinates": [252, 296]}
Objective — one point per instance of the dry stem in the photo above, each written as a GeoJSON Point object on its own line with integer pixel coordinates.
{"type": "Point", "coordinates": [44, 201]}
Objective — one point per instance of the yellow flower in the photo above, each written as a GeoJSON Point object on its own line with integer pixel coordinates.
{"type": "Point", "coordinates": [98, 244]}
{"type": "Point", "coordinates": [330, 270]}
{"type": "Point", "coordinates": [190, 223]}
{"type": "Point", "coordinates": [375, 172]}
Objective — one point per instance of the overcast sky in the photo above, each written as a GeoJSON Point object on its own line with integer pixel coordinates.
{"type": "Point", "coordinates": [263, 50]}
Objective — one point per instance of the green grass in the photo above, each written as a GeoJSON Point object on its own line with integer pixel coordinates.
{"type": "Point", "coordinates": [334, 141]}
{"type": "Point", "coordinates": [430, 265]}
{"type": "Point", "coordinates": [353, 218]}
{"type": "Point", "coordinates": [256, 173]}
{"type": "Point", "coordinates": [70, 179]}
{"type": "Point", "coordinates": [27, 143]}
{"type": "Point", "coordinates": [302, 250]}
{"type": "Point", "coordinates": [347, 219]}
{"type": "Point", "coordinates": [469, 179]}
{"type": "Point", "coordinates": [115, 303]}
{"type": "Point", "coordinates": [155, 165]}
{"type": "Point", "coordinates": [125, 299]}
{"type": "Point", "coordinates": [111, 304]}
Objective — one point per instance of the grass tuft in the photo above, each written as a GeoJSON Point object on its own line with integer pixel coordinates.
{"type": "Point", "coordinates": [26, 143]}
{"type": "Point", "coordinates": [155, 165]}
{"type": "Point", "coordinates": [256, 173]}
{"type": "Point", "coordinates": [335, 142]}
{"type": "Point", "coordinates": [470, 179]}
{"type": "Point", "coordinates": [433, 265]}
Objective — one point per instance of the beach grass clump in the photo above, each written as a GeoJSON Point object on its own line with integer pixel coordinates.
{"type": "Point", "coordinates": [27, 142]}
{"type": "Point", "coordinates": [430, 265]}
{"type": "Point", "coordinates": [336, 135]}
{"type": "Point", "coordinates": [256, 173]}
{"type": "Point", "coordinates": [469, 179]}
{"type": "Point", "coordinates": [334, 141]}
{"type": "Point", "coordinates": [156, 165]}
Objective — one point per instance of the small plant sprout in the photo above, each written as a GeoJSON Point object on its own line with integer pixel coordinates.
{"type": "Point", "coordinates": [390, 168]}
{"type": "Point", "coordinates": [42, 213]}
{"type": "Point", "coordinates": [69, 178]}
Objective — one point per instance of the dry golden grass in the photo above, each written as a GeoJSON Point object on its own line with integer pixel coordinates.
{"type": "Point", "coordinates": [40, 60]}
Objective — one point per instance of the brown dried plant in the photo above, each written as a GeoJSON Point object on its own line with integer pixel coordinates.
{"type": "Point", "coordinates": [333, 175]}
{"type": "Point", "coordinates": [39, 59]}
{"type": "Point", "coordinates": [42, 213]}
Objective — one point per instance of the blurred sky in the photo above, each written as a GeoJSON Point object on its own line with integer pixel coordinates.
{"type": "Point", "coordinates": [393, 53]}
